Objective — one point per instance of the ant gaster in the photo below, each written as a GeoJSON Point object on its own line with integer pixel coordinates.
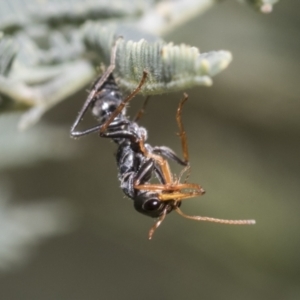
{"type": "Point", "coordinates": [138, 161]}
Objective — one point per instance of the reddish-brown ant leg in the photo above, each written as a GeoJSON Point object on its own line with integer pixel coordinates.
{"type": "Point", "coordinates": [141, 112]}
{"type": "Point", "coordinates": [123, 104]}
{"type": "Point", "coordinates": [173, 191]}
{"type": "Point", "coordinates": [156, 225]}
{"type": "Point", "coordinates": [182, 133]}
{"type": "Point", "coordinates": [155, 187]}
{"type": "Point", "coordinates": [171, 187]}
{"type": "Point", "coordinates": [188, 186]}
{"type": "Point", "coordinates": [183, 138]}
{"type": "Point", "coordinates": [161, 161]}
{"type": "Point", "coordinates": [178, 196]}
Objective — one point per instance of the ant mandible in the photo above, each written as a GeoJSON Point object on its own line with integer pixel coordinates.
{"type": "Point", "coordinates": [138, 161]}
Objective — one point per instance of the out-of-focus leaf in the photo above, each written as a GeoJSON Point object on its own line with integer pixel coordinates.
{"type": "Point", "coordinates": [18, 14]}
{"type": "Point", "coordinates": [40, 143]}
{"type": "Point", "coordinates": [23, 227]}
{"type": "Point", "coordinates": [264, 6]}
{"type": "Point", "coordinates": [7, 53]}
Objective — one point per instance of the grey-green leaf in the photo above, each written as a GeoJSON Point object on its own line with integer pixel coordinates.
{"type": "Point", "coordinates": [170, 67]}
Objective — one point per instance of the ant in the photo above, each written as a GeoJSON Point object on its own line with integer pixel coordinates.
{"type": "Point", "coordinates": [138, 161]}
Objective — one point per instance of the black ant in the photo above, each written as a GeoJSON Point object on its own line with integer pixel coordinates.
{"type": "Point", "coordinates": [138, 161]}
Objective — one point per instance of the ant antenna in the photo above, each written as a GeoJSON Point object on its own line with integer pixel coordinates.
{"type": "Point", "coordinates": [214, 220]}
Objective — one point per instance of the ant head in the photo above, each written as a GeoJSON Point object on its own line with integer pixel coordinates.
{"type": "Point", "coordinates": [103, 107]}
{"type": "Point", "coordinates": [149, 204]}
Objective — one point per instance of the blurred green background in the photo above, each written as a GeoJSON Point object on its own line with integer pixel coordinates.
{"type": "Point", "coordinates": [244, 141]}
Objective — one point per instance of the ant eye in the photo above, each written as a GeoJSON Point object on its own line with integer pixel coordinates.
{"type": "Point", "coordinates": [151, 205]}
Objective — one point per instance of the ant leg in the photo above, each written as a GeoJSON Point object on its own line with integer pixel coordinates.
{"type": "Point", "coordinates": [183, 138]}
{"type": "Point", "coordinates": [126, 134]}
{"type": "Point", "coordinates": [182, 133]}
{"type": "Point", "coordinates": [144, 173]}
{"type": "Point", "coordinates": [141, 112]}
{"type": "Point", "coordinates": [169, 153]}
{"type": "Point", "coordinates": [156, 225]}
{"type": "Point", "coordinates": [165, 168]}
{"type": "Point", "coordinates": [96, 128]}
{"type": "Point", "coordinates": [129, 180]}
{"type": "Point", "coordinates": [179, 196]}
{"type": "Point", "coordinates": [174, 191]}
{"type": "Point", "coordinates": [99, 82]}
{"type": "Point", "coordinates": [76, 134]}
{"type": "Point", "coordinates": [123, 103]}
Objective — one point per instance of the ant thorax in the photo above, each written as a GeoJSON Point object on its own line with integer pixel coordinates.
{"type": "Point", "coordinates": [139, 131]}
